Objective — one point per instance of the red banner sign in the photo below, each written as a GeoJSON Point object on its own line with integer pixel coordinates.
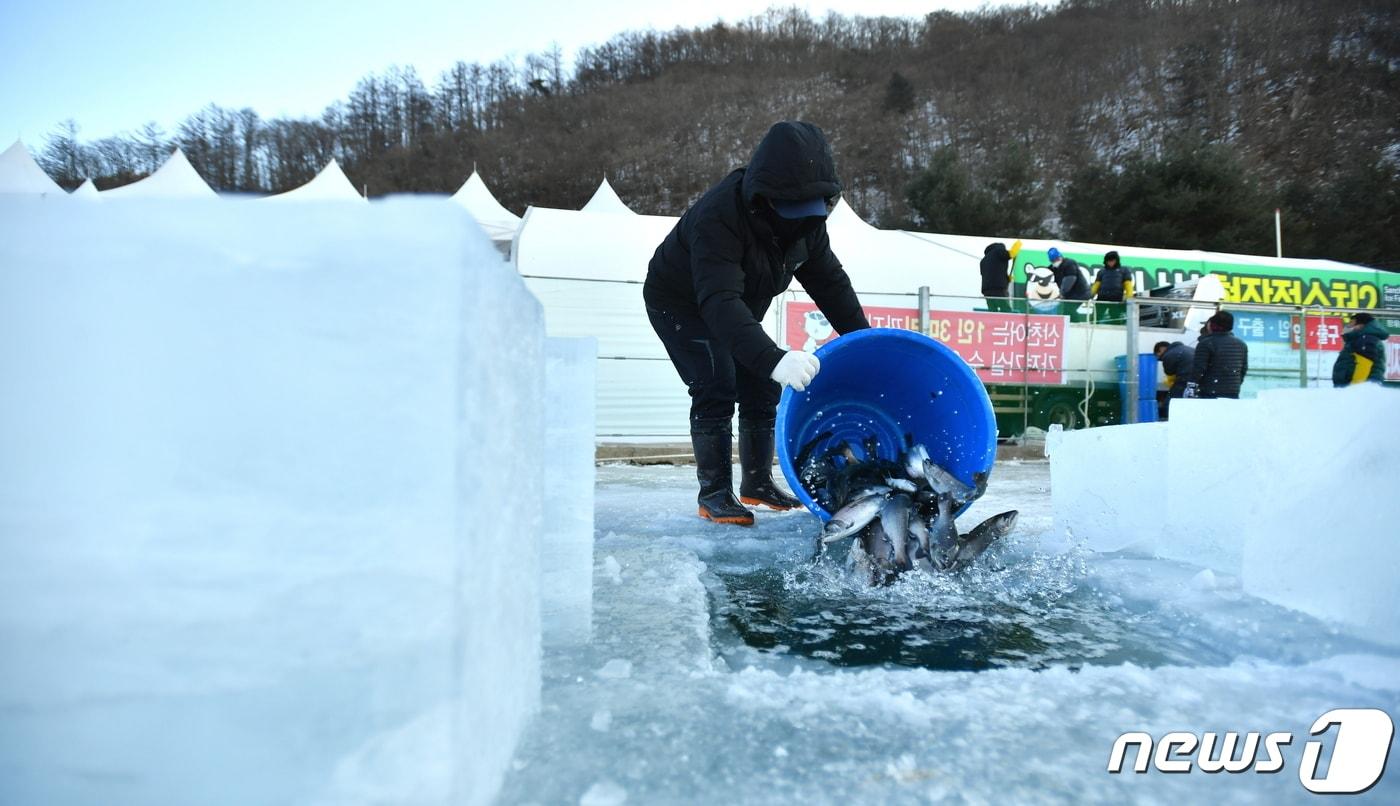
{"type": "Point", "coordinates": [1324, 333]}
{"type": "Point", "coordinates": [1001, 347]}
{"type": "Point", "coordinates": [1392, 358]}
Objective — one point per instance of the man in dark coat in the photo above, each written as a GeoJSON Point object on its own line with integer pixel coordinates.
{"type": "Point", "coordinates": [708, 287]}
{"type": "Point", "coordinates": [1221, 360]}
{"type": "Point", "coordinates": [1068, 275]}
{"type": "Point", "coordinates": [996, 277]}
{"type": "Point", "coordinates": [1113, 282]}
{"type": "Point", "coordinates": [1363, 352]}
{"type": "Point", "coordinates": [1176, 359]}
{"type": "Point", "coordinates": [1074, 285]}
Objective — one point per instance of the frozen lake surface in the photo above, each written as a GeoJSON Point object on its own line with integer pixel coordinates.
{"type": "Point", "coordinates": [727, 666]}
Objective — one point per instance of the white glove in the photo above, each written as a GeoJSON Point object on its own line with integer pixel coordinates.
{"type": "Point", "coordinates": [796, 369]}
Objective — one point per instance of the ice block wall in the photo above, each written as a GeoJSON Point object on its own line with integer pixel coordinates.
{"type": "Point", "coordinates": [1106, 492]}
{"type": "Point", "coordinates": [1292, 491]}
{"type": "Point", "coordinates": [568, 475]}
{"type": "Point", "coordinates": [269, 504]}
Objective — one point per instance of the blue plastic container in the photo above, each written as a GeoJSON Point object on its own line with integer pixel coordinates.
{"type": "Point", "coordinates": [1147, 387]}
{"type": "Point", "coordinates": [889, 383]}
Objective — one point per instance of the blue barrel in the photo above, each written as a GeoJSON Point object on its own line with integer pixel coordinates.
{"type": "Point", "coordinates": [889, 383]}
{"type": "Point", "coordinates": [1147, 387]}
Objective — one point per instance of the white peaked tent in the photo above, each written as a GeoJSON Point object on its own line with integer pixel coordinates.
{"type": "Point", "coordinates": [499, 223]}
{"type": "Point", "coordinates": [87, 191]}
{"type": "Point", "coordinates": [606, 200]}
{"type": "Point", "coordinates": [20, 174]}
{"type": "Point", "coordinates": [330, 184]}
{"type": "Point", "coordinates": [176, 179]}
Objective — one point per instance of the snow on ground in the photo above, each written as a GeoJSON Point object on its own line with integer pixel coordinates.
{"type": "Point", "coordinates": [726, 667]}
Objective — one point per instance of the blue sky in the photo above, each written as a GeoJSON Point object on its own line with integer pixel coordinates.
{"type": "Point", "coordinates": [115, 65]}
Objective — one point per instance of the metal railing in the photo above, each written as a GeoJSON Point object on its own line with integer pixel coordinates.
{"type": "Point", "coordinates": [1074, 382]}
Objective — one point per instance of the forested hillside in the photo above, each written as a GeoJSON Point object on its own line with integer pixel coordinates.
{"type": "Point", "coordinates": [1178, 123]}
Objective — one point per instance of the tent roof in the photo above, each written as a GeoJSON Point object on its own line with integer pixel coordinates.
{"type": "Point", "coordinates": [87, 191]}
{"type": "Point", "coordinates": [330, 184]}
{"type": "Point", "coordinates": [606, 200]}
{"type": "Point", "coordinates": [19, 173]}
{"type": "Point", "coordinates": [585, 244]}
{"type": "Point", "coordinates": [175, 179]}
{"type": "Point", "coordinates": [844, 218]}
{"type": "Point", "coordinates": [500, 224]}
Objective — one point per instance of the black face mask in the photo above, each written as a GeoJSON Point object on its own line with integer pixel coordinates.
{"type": "Point", "coordinates": [789, 230]}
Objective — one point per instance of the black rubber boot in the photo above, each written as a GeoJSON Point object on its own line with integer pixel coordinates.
{"type": "Point", "coordinates": [756, 458]}
{"type": "Point", "coordinates": [712, 441]}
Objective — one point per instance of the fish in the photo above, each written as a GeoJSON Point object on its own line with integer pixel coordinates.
{"type": "Point", "coordinates": [852, 518]}
{"type": "Point", "coordinates": [914, 461]}
{"type": "Point", "coordinates": [919, 531]}
{"type": "Point", "coordinates": [945, 483]}
{"type": "Point", "coordinates": [903, 485]}
{"type": "Point", "coordinates": [971, 545]}
{"type": "Point", "coordinates": [894, 521]}
{"type": "Point", "coordinates": [902, 510]}
{"type": "Point", "coordinates": [877, 550]}
{"type": "Point", "coordinates": [943, 534]}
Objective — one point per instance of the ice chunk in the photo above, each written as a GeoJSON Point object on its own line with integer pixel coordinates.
{"type": "Point", "coordinates": [1108, 485]}
{"type": "Point", "coordinates": [601, 721]}
{"type": "Point", "coordinates": [269, 503]}
{"type": "Point", "coordinates": [1322, 536]}
{"type": "Point", "coordinates": [567, 545]}
{"type": "Point", "coordinates": [616, 669]}
{"type": "Point", "coordinates": [612, 569]}
{"type": "Point", "coordinates": [1282, 491]}
{"type": "Point", "coordinates": [604, 793]}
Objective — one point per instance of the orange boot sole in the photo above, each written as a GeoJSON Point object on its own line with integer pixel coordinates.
{"type": "Point", "coordinates": [754, 502]}
{"type": "Point", "coordinates": [738, 521]}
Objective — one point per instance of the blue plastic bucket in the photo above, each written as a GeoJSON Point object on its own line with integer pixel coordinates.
{"type": "Point", "coordinates": [1147, 387]}
{"type": "Point", "coordinates": [889, 383]}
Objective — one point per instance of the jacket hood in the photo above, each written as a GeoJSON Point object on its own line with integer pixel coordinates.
{"type": "Point", "coordinates": [792, 162]}
{"type": "Point", "coordinates": [998, 251]}
{"type": "Point", "coordinates": [1112, 256]}
{"type": "Point", "coordinates": [1372, 328]}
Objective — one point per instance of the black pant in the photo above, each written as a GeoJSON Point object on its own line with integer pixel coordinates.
{"type": "Point", "coordinates": [711, 374]}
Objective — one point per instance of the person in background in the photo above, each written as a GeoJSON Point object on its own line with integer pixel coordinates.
{"type": "Point", "coordinates": [996, 277]}
{"type": "Point", "coordinates": [1112, 285]}
{"type": "Point", "coordinates": [1176, 359]}
{"type": "Point", "coordinates": [1074, 288]}
{"type": "Point", "coordinates": [1363, 352]}
{"type": "Point", "coordinates": [708, 287]}
{"type": "Point", "coordinates": [1221, 360]}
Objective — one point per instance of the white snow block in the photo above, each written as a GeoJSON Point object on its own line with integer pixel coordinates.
{"type": "Point", "coordinates": [568, 464]}
{"type": "Point", "coordinates": [1323, 539]}
{"type": "Point", "coordinates": [1108, 485]}
{"type": "Point", "coordinates": [1215, 461]}
{"type": "Point", "coordinates": [269, 504]}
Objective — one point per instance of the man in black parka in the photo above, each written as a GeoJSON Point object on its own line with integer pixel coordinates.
{"type": "Point", "coordinates": [996, 277]}
{"type": "Point", "coordinates": [1221, 360]}
{"type": "Point", "coordinates": [708, 287]}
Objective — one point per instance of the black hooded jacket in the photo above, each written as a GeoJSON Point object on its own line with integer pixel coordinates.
{"type": "Point", "coordinates": [730, 254]}
{"type": "Point", "coordinates": [994, 265]}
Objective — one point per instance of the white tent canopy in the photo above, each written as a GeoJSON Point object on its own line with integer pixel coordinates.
{"type": "Point", "coordinates": [330, 184]}
{"type": "Point", "coordinates": [606, 200]}
{"type": "Point", "coordinates": [87, 191]}
{"type": "Point", "coordinates": [20, 174]}
{"type": "Point", "coordinates": [176, 179]}
{"type": "Point", "coordinates": [499, 223]}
